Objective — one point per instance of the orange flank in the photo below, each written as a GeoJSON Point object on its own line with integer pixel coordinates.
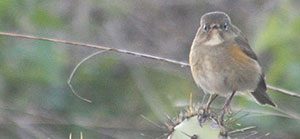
{"type": "Point", "coordinates": [238, 54]}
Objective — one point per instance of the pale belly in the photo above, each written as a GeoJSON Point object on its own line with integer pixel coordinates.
{"type": "Point", "coordinates": [222, 75]}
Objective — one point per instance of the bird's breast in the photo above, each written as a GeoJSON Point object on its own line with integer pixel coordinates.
{"type": "Point", "coordinates": [222, 69]}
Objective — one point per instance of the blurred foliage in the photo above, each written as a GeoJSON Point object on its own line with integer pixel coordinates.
{"type": "Point", "coordinates": [283, 43]}
{"type": "Point", "coordinates": [37, 103]}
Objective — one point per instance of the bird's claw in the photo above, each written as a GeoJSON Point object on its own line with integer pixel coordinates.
{"type": "Point", "coordinates": [202, 117]}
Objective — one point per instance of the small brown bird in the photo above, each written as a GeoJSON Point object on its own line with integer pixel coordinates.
{"type": "Point", "coordinates": [223, 63]}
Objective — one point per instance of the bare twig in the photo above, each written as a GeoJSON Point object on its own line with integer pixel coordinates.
{"type": "Point", "coordinates": [283, 91]}
{"type": "Point", "coordinates": [75, 69]}
{"type": "Point", "coordinates": [152, 122]}
{"type": "Point", "coordinates": [251, 135]}
{"type": "Point", "coordinates": [242, 130]}
{"type": "Point", "coordinates": [81, 135]}
{"type": "Point", "coordinates": [182, 64]}
{"type": "Point", "coordinates": [70, 136]}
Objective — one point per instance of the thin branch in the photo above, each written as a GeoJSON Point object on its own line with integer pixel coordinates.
{"type": "Point", "coordinates": [152, 122]}
{"type": "Point", "coordinates": [252, 134]}
{"type": "Point", "coordinates": [70, 136]}
{"type": "Point", "coordinates": [241, 130]}
{"type": "Point", "coordinates": [73, 73]}
{"type": "Point", "coordinates": [182, 64]}
{"type": "Point", "coordinates": [283, 91]}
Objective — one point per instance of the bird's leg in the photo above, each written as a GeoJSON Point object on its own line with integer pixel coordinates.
{"type": "Point", "coordinates": [210, 100]}
{"type": "Point", "coordinates": [226, 108]}
{"type": "Point", "coordinates": [206, 112]}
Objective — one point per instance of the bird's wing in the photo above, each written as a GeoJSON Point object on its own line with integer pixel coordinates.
{"type": "Point", "coordinates": [245, 47]}
{"type": "Point", "coordinates": [239, 33]}
{"type": "Point", "coordinates": [260, 92]}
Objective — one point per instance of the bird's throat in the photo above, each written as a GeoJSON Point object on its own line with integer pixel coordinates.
{"type": "Point", "coordinates": [214, 39]}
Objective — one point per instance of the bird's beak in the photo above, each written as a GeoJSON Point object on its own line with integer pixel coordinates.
{"type": "Point", "coordinates": [214, 28]}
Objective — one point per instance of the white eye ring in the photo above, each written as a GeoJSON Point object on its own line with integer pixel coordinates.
{"type": "Point", "coordinates": [206, 28]}
{"type": "Point", "coordinates": [225, 26]}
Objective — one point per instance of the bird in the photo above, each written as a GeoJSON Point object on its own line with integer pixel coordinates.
{"type": "Point", "coordinates": [223, 63]}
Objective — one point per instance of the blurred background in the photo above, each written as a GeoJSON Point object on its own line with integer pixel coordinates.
{"type": "Point", "coordinates": [36, 102]}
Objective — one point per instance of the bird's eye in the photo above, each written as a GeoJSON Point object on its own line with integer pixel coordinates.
{"type": "Point", "coordinates": [206, 28]}
{"type": "Point", "coordinates": [225, 26]}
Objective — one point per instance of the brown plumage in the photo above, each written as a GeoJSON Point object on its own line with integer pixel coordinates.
{"type": "Point", "coordinates": [223, 63]}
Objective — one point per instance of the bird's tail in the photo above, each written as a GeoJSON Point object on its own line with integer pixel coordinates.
{"type": "Point", "coordinates": [260, 94]}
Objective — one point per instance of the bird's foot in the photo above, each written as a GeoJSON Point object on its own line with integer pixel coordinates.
{"type": "Point", "coordinates": [221, 119]}
{"type": "Point", "coordinates": [203, 116]}
{"type": "Point", "coordinates": [223, 131]}
{"type": "Point", "coordinates": [225, 110]}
